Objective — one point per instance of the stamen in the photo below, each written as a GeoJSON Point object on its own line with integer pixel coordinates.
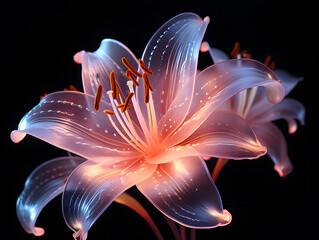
{"type": "Point", "coordinates": [251, 98]}
{"type": "Point", "coordinates": [122, 105]}
{"type": "Point", "coordinates": [127, 102]}
{"type": "Point", "coordinates": [125, 62]}
{"type": "Point", "coordinates": [130, 76]}
{"type": "Point", "coordinates": [147, 81]}
{"type": "Point", "coordinates": [242, 101]}
{"type": "Point", "coordinates": [133, 141]}
{"type": "Point", "coordinates": [235, 50]}
{"type": "Point", "coordinates": [43, 96]}
{"type": "Point", "coordinates": [108, 112]}
{"type": "Point", "coordinates": [145, 68]}
{"type": "Point", "coordinates": [114, 87]}
{"type": "Point", "coordinates": [98, 97]}
{"type": "Point", "coordinates": [72, 88]}
{"type": "Point", "coordinates": [267, 60]}
{"type": "Point", "coordinates": [146, 94]}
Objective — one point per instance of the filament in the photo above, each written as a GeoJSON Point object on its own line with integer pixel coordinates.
{"type": "Point", "coordinates": [251, 98]}
{"type": "Point", "coordinates": [242, 101]}
{"type": "Point", "coordinates": [137, 144]}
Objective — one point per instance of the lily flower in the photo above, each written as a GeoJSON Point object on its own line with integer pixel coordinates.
{"type": "Point", "coordinates": [150, 131]}
{"type": "Point", "coordinates": [251, 105]}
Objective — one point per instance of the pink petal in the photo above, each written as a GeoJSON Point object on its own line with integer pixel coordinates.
{"type": "Point", "coordinates": [270, 136]}
{"type": "Point", "coordinates": [288, 81]}
{"type": "Point", "coordinates": [68, 120]}
{"type": "Point", "coordinates": [44, 183]}
{"type": "Point", "coordinates": [225, 135]}
{"type": "Point", "coordinates": [218, 83]}
{"type": "Point", "coordinates": [97, 66]}
{"type": "Point", "coordinates": [92, 187]}
{"type": "Point", "coordinates": [184, 191]}
{"type": "Point", "coordinates": [287, 109]}
{"type": "Point", "coordinates": [172, 55]}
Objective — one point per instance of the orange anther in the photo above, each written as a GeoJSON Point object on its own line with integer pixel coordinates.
{"type": "Point", "coordinates": [108, 112]}
{"type": "Point", "coordinates": [72, 88]}
{"type": "Point", "coordinates": [114, 87]}
{"type": "Point", "coordinates": [147, 82]}
{"type": "Point", "coordinates": [130, 76]}
{"type": "Point", "coordinates": [125, 62]}
{"type": "Point", "coordinates": [43, 96]}
{"type": "Point", "coordinates": [98, 97]}
{"type": "Point", "coordinates": [145, 68]}
{"type": "Point", "coordinates": [267, 60]}
{"type": "Point", "coordinates": [127, 102]}
{"type": "Point", "coordinates": [235, 50]}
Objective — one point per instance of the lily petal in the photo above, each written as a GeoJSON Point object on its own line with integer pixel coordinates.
{"type": "Point", "coordinates": [184, 191]}
{"type": "Point", "coordinates": [270, 136]}
{"type": "Point", "coordinates": [172, 55]}
{"type": "Point", "coordinates": [218, 83]}
{"type": "Point", "coordinates": [68, 120]}
{"type": "Point", "coordinates": [97, 66]}
{"type": "Point", "coordinates": [44, 183]}
{"type": "Point", "coordinates": [92, 187]}
{"type": "Point", "coordinates": [288, 81]}
{"type": "Point", "coordinates": [287, 109]}
{"type": "Point", "coordinates": [225, 135]}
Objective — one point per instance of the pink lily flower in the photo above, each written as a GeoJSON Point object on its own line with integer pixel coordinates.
{"type": "Point", "coordinates": [157, 143]}
{"type": "Point", "coordinates": [259, 113]}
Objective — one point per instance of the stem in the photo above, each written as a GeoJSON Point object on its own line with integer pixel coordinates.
{"type": "Point", "coordinates": [174, 229]}
{"type": "Point", "coordinates": [221, 162]}
{"type": "Point", "coordinates": [193, 234]}
{"type": "Point", "coordinates": [132, 203]}
{"type": "Point", "coordinates": [182, 231]}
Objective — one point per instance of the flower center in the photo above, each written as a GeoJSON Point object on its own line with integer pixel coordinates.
{"type": "Point", "coordinates": [124, 125]}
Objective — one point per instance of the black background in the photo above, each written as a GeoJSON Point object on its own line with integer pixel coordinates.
{"type": "Point", "coordinates": [39, 41]}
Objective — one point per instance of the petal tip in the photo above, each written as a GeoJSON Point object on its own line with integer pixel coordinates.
{"type": "Point", "coordinates": [16, 136]}
{"type": "Point", "coordinates": [224, 218]}
{"type": "Point", "coordinates": [37, 231]}
{"type": "Point", "coordinates": [78, 57]}
{"type": "Point", "coordinates": [207, 19]}
{"type": "Point", "coordinates": [284, 170]}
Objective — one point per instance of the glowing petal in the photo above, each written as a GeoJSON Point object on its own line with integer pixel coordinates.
{"type": "Point", "coordinates": [270, 136]}
{"type": "Point", "coordinates": [218, 83]}
{"type": "Point", "coordinates": [97, 66]}
{"type": "Point", "coordinates": [225, 135]}
{"type": "Point", "coordinates": [92, 187]}
{"type": "Point", "coordinates": [172, 55]}
{"type": "Point", "coordinates": [286, 109]}
{"type": "Point", "coordinates": [68, 120]}
{"type": "Point", "coordinates": [44, 183]}
{"type": "Point", "coordinates": [184, 191]}
{"type": "Point", "coordinates": [288, 81]}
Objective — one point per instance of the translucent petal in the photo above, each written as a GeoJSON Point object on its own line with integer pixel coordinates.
{"type": "Point", "coordinates": [92, 187]}
{"type": "Point", "coordinates": [270, 136]}
{"type": "Point", "coordinates": [97, 66]}
{"type": "Point", "coordinates": [68, 120]}
{"type": "Point", "coordinates": [44, 183]}
{"type": "Point", "coordinates": [288, 81]}
{"type": "Point", "coordinates": [287, 108]}
{"type": "Point", "coordinates": [217, 84]}
{"type": "Point", "coordinates": [219, 55]}
{"type": "Point", "coordinates": [184, 191]}
{"type": "Point", "coordinates": [225, 135]}
{"type": "Point", "coordinates": [172, 55]}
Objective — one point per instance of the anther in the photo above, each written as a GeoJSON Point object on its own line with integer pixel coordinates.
{"type": "Point", "coordinates": [127, 102]}
{"type": "Point", "coordinates": [114, 87]}
{"type": "Point", "coordinates": [108, 112]}
{"type": "Point", "coordinates": [145, 68]}
{"type": "Point", "coordinates": [43, 96]}
{"type": "Point", "coordinates": [269, 63]}
{"type": "Point", "coordinates": [130, 76]}
{"type": "Point", "coordinates": [72, 88]}
{"type": "Point", "coordinates": [147, 82]}
{"type": "Point", "coordinates": [235, 50]}
{"type": "Point", "coordinates": [125, 62]}
{"type": "Point", "coordinates": [98, 97]}
{"type": "Point", "coordinates": [122, 105]}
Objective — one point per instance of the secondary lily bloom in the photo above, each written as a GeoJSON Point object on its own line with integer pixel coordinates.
{"type": "Point", "coordinates": [152, 130]}
{"type": "Point", "coordinates": [252, 105]}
